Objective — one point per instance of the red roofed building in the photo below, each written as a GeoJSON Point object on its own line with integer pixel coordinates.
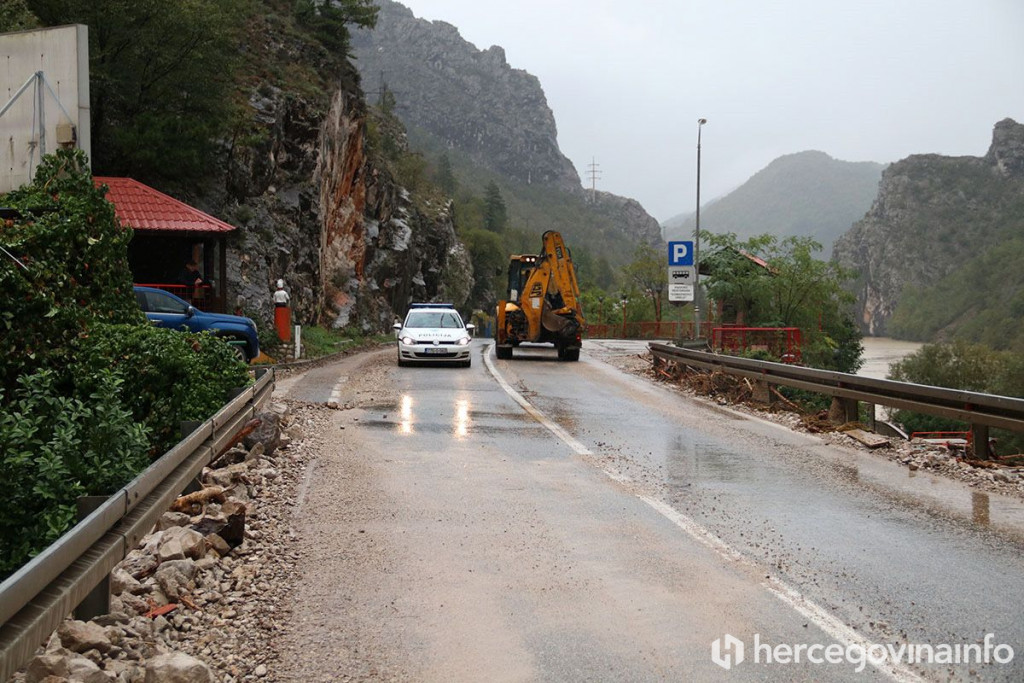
{"type": "Point", "coordinates": [168, 235]}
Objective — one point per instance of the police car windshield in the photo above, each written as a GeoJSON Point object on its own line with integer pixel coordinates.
{"type": "Point", "coordinates": [422, 319]}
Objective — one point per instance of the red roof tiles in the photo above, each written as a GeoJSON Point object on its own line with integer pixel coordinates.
{"type": "Point", "coordinates": [140, 207]}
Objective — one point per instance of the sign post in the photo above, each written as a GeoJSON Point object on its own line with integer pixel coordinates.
{"type": "Point", "coordinates": [682, 274]}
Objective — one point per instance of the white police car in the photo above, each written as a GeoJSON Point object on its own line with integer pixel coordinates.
{"type": "Point", "coordinates": [433, 332]}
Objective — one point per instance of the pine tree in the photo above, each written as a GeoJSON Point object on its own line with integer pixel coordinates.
{"type": "Point", "coordinates": [495, 212]}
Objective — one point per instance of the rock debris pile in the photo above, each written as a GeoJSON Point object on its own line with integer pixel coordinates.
{"type": "Point", "coordinates": [202, 598]}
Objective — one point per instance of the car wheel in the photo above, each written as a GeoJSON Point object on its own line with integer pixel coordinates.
{"type": "Point", "coordinates": [240, 353]}
{"type": "Point", "coordinates": [467, 363]}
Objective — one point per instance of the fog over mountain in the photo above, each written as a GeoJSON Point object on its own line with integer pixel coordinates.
{"type": "Point", "coordinates": [626, 82]}
{"type": "Point", "coordinates": [808, 194]}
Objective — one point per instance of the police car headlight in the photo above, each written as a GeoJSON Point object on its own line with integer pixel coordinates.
{"type": "Point", "coordinates": [408, 341]}
{"type": "Point", "coordinates": [464, 341]}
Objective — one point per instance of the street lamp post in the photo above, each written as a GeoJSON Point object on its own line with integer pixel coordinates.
{"type": "Point", "coordinates": [696, 244]}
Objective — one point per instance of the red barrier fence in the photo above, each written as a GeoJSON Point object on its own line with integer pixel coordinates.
{"type": "Point", "coordinates": [783, 343]}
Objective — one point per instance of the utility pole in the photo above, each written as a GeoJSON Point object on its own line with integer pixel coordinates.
{"type": "Point", "coordinates": [594, 172]}
{"type": "Point", "coordinates": [696, 245]}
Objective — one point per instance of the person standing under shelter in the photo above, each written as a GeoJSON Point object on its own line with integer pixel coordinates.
{"type": "Point", "coordinates": [194, 282]}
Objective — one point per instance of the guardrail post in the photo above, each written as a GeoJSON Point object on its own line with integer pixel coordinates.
{"type": "Point", "coordinates": [979, 441]}
{"type": "Point", "coordinates": [187, 427]}
{"type": "Point", "coordinates": [843, 410]}
{"type": "Point", "coordinates": [97, 602]}
{"type": "Point", "coordinates": [763, 392]}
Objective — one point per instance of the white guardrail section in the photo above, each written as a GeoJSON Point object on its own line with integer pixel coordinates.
{"type": "Point", "coordinates": [39, 596]}
{"type": "Point", "coordinates": [979, 410]}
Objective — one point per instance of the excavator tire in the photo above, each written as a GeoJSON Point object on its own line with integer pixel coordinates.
{"type": "Point", "coordinates": [503, 352]}
{"type": "Point", "coordinates": [571, 354]}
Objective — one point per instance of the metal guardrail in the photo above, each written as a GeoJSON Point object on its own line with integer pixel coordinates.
{"type": "Point", "coordinates": [980, 410]}
{"type": "Point", "coordinates": [37, 598]}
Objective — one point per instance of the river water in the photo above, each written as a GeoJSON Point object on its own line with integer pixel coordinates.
{"type": "Point", "coordinates": [879, 352]}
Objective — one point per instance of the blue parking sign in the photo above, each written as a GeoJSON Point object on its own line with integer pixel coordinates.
{"type": "Point", "coordinates": [680, 253]}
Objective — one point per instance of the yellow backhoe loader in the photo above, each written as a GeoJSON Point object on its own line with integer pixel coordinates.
{"type": "Point", "coordinates": [543, 303]}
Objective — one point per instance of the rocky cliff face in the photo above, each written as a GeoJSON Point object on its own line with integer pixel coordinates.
{"type": "Point", "coordinates": [314, 209]}
{"type": "Point", "coordinates": [470, 99]}
{"type": "Point", "coordinates": [494, 122]}
{"type": "Point", "coordinates": [932, 214]}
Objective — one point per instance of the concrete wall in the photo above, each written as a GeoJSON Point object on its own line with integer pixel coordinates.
{"type": "Point", "coordinates": [62, 54]}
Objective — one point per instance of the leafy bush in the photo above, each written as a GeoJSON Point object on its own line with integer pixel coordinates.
{"type": "Point", "coordinates": [57, 448]}
{"type": "Point", "coordinates": [961, 365]}
{"type": "Point", "coordinates": [88, 389]}
{"type": "Point", "coordinates": [170, 376]}
{"type": "Point", "coordinates": [76, 270]}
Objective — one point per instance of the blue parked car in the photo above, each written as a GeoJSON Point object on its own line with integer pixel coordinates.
{"type": "Point", "coordinates": [166, 310]}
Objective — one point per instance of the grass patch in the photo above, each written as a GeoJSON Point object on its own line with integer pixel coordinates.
{"type": "Point", "coordinates": [320, 341]}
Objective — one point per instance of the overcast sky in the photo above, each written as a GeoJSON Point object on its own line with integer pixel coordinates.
{"type": "Point", "coordinates": [862, 80]}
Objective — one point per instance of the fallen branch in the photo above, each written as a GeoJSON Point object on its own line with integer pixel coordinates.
{"type": "Point", "coordinates": [248, 429]}
{"type": "Point", "coordinates": [187, 502]}
{"type": "Point", "coordinates": [785, 400]}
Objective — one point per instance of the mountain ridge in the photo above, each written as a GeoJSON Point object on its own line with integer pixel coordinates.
{"type": "Point", "coordinates": [493, 123]}
{"type": "Point", "coordinates": [806, 194]}
{"type": "Point", "coordinates": [936, 219]}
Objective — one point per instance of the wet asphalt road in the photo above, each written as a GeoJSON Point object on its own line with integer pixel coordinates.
{"type": "Point", "coordinates": [620, 542]}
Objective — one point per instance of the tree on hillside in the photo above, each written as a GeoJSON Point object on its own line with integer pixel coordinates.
{"type": "Point", "coordinates": [16, 16]}
{"type": "Point", "coordinates": [489, 255]}
{"type": "Point", "coordinates": [495, 212]}
{"type": "Point", "coordinates": [328, 19]}
{"type": "Point", "coordinates": [647, 273]}
{"type": "Point", "coordinates": [445, 176]}
{"type": "Point", "coordinates": [161, 80]}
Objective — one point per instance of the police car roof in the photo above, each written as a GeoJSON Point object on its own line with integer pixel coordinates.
{"type": "Point", "coordinates": [431, 305]}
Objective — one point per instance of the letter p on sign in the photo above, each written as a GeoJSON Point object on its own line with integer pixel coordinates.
{"type": "Point", "coordinates": [680, 253]}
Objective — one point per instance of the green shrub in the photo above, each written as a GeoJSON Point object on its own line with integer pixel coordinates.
{"type": "Point", "coordinates": [89, 390]}
{"type": "Point", "coordinates": [170, 376]}
{"type": "Point", "coordinates": [76, 271]}
{"type": "Point", "coordinates": [962, 365]}
{"type": "Point", "coordinates": [57, 448]}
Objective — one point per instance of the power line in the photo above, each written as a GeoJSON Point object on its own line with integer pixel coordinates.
{"type": "Point", "coordinates": [594, 172]}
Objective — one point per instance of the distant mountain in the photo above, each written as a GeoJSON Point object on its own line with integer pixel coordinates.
{"type": "Point", "coordinates": [494, 124]}
{"type": "Point", "coordinates": [807, 194]}
{"type": "Point", "coordinates": [940, 252]}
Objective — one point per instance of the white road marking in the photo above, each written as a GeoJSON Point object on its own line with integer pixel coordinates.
{"type": "Point", "coordinates": [335, 400]}
{"type": "Point", "coordinates": [789, 595]}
